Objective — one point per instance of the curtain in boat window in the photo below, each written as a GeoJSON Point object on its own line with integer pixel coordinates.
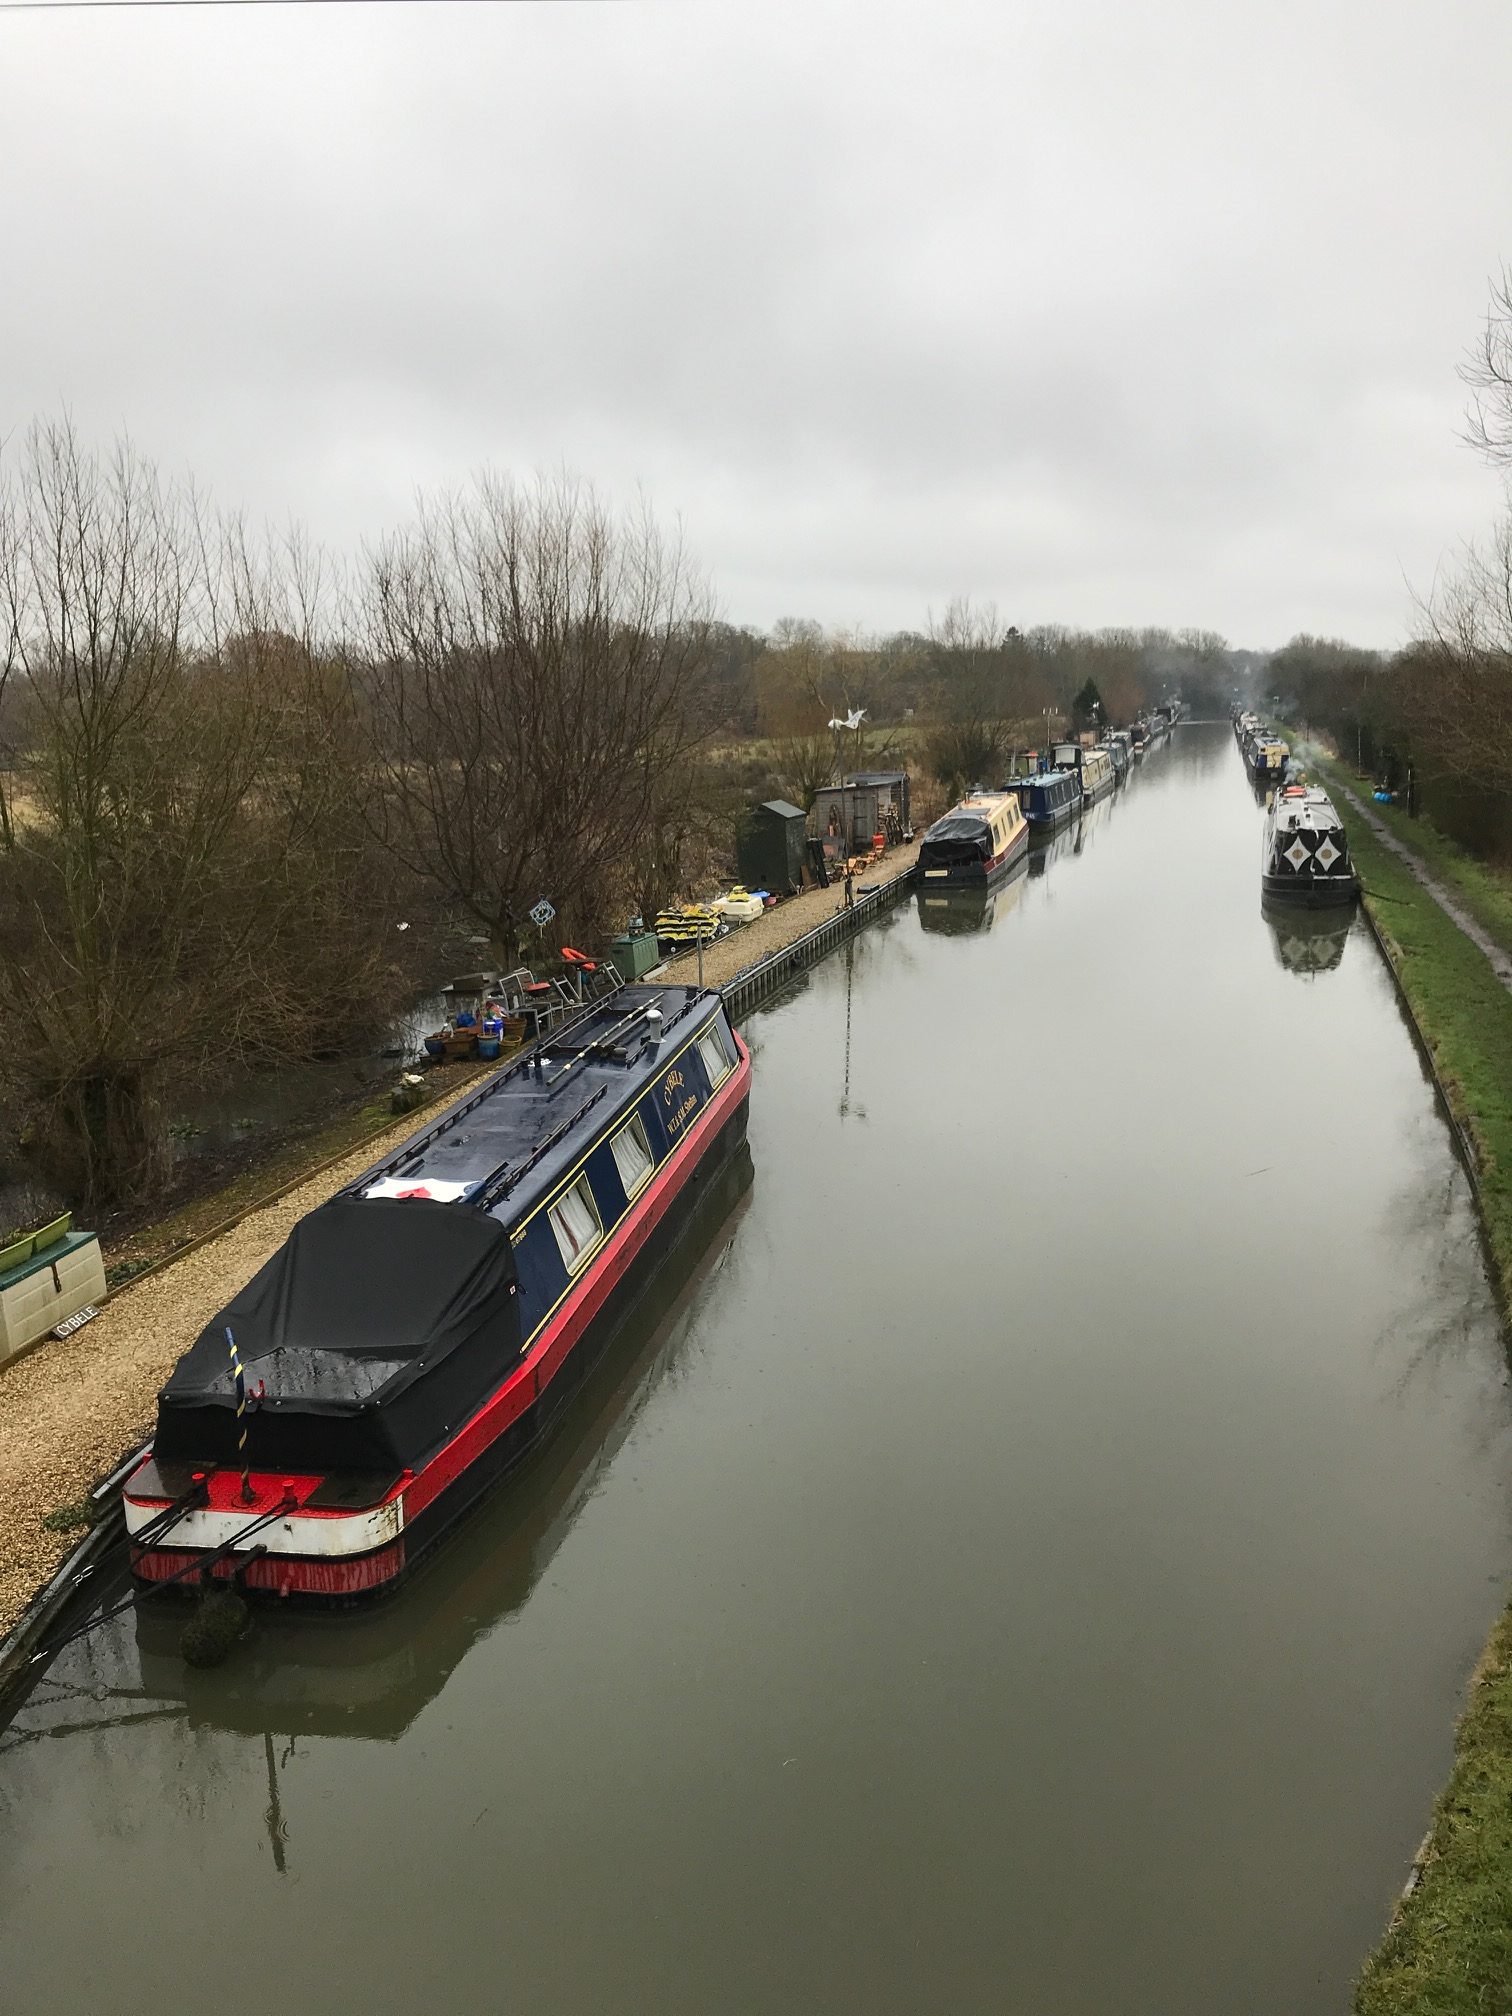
{"type": "Point", "coordinates": [716, 1059]}
{"type": "Point", "coordinates": [632, 1156]}
{"type": "Point", "coordinates": [575, 1221]}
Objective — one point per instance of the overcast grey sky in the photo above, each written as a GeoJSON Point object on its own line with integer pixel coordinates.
{"type": "Point", "coordinates": [1114, 312]}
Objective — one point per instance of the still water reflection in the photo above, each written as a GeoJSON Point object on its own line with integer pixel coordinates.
{"type": "Point", "coordinates": [1032, 1568]}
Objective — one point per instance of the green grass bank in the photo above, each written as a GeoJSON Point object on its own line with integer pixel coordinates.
{"type": "Point", "coordinates": [1448, 1950]}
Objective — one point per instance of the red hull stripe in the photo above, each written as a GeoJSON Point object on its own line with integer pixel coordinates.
{"type": "Point", "coordinates": [556, 1341]}
{"type": "Point", "coordinates": [282, 1574]}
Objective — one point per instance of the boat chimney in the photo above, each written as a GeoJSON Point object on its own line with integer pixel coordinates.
{"type": "Point", "coordinates": [653, 1027]}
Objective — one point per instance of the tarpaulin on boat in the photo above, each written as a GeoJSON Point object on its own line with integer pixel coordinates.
{"type": "Point", "coordinates": [369, 1337]}
{"type": "Point", "coordinates": [957, 838]}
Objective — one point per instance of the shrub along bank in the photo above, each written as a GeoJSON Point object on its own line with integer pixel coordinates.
{"type": "Point", "coordinates": [1448, 1951]}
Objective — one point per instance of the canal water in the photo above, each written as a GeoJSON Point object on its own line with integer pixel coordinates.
{"type": "Point", "coordinates": [1029, 1559]}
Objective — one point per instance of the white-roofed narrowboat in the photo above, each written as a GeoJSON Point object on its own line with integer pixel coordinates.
{"type": "Point", "coordinates": [1306, 851]}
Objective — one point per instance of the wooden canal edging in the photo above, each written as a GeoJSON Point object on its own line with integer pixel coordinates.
{"type": "Point", "coordinates": [759, 982]}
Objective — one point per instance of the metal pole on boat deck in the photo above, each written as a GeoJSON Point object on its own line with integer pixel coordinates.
{"type": "Point", "coordinates": [700, 962]}
{"type": "Point", "coordinates": [240, 1379]}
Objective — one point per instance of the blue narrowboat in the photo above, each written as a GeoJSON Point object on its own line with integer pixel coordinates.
{"type": "Point", "coordinates": [418, 1334]}
{"type": "Point", "coordinates": [1051, 799]}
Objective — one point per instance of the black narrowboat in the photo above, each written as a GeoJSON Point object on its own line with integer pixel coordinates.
{"type": "Point", "coordinates": [418, 1334]}
{"type": "Point", "coordinates": [1306, 851]}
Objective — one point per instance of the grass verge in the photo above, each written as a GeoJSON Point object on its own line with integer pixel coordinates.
{"type": "Point", "coordinates": [1484, 889]}
{"type": "Point", "coordinates": [1448, 1950]}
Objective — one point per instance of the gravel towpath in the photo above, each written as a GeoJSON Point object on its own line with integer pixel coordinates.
{"type": "Point", "coordinates": [780, 926]}
{"type": "Point", "coordinates": [71, 1410]}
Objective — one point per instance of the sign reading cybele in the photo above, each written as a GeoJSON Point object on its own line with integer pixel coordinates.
{"type": "Point", "coordinates": [542, 914]}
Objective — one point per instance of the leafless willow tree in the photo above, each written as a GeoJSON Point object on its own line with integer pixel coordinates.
{"type": "Point", "coordinates": [530, 668]}
{"type": "Point", "coordinates": [183, 871]}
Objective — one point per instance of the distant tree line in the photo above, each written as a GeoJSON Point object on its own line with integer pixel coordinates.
{"type": "Point", "coordinates": [247, 794]}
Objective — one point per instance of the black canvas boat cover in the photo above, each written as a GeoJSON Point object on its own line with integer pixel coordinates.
{"type": "Point", "coordinates": [958, 837]}
{"type": "Point", "coordinates": [368, 1338]}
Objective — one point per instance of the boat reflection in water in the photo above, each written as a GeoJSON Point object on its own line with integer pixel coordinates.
{"type": "Point", "coordinates": [958, 913]}
{"type": "Point", "coordinates": [1055, 847]}
{"type": "Point", "coordinates": [368, 1673]}
{"type": "Point", "coordinates": [1089, 823]}
{"type": "Point", "coordinates": [1307, 941]}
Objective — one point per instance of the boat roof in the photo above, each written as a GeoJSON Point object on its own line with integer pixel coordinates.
{"type": "Point", "coordinates": [503, 1144]}
{"type": "Point", "coordinates": [1045, 776]}
{"type": "Point", "coordinates": [1307, 806]}
{"type": "Point", "coordinates": [987, 803]}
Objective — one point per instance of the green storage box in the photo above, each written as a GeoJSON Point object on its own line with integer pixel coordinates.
{"type": "Point", "coordinates": [635, 955]}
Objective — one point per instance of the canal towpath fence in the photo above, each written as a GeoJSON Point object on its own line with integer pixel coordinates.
{"type": "Point", "coordinates": [778, 970]}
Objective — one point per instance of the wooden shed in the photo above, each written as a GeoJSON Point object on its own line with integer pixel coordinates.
{"type": "Point", "coordinates": [770, 848]}
{"type": "Point", "coordinates": [848, 814]}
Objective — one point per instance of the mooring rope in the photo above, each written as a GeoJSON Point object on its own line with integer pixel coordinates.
{"type": "Point", "coordinates": [200, 1564]}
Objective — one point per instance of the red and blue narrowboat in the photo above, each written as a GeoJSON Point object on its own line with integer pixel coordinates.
{"type": "Point", "coordinates": [418, 1334]}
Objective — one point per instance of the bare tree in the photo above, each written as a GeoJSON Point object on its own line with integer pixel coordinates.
{"type": "Point", "coordinates": [529, 671]}
{"type": "Point", "coordinates": [182, 893]}
{"type": "Point", "coordinates": [1454, 689]}
{"type": "Point", "coordinates": [969, 646]}
{"type": "Point", "coordinates": [1488, 373]}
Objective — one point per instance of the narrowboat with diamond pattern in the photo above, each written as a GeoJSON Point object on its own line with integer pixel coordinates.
{"type": "Point", "coordinates": [1306, 852]}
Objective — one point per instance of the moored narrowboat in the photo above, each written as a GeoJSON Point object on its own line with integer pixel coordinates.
{"type": "Point", "coordinates": [1050, 798]}
{"type": "Point", "coordinates": [976, 842]}
{"type": "Point", "coordinates": [418, 1334]}
{"type": "Point", "coordinates": [1094, 766]}
{"type": "Point", "coordinates": [1306, 850]}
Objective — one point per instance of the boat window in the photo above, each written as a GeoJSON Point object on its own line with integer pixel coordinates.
{"type": "Point", "coordinates": [716, 1059]}
{"type": "Point", "coordinates": [632, 1156]}
{"type": "Point", "coordinates": [575, 1221]}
